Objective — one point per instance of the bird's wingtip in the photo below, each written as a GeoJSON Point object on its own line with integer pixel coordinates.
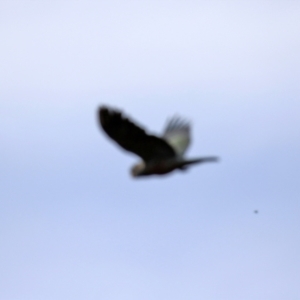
{"type": "Point", "coordinates": [102, 109]}
{"type": "Point", "coordinates": [103, 114]}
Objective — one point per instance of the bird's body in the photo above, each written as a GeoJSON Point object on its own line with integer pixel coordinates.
{"type": "Point", "coordinates": [160, 155]}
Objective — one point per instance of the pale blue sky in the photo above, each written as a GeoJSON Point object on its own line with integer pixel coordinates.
{"type": "Point", "coordinates": [75, 225]}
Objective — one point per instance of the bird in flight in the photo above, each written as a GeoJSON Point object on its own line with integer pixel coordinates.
{"type": "Point", "coordinates": [160, 154]}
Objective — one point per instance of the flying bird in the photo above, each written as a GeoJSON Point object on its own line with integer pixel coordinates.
{"type": "Point", "coordinates": [159, 154]}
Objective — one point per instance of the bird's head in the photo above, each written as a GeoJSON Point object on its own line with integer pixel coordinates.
{"type": "Point", "coordinates": [138, 169]}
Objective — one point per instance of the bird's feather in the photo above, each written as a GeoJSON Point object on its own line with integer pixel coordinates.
{"type": "Point", "coordinates": [177, 134]}
{"type": "Point", "coordinates": [132, 137]}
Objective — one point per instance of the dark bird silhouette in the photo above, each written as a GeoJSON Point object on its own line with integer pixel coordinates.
{"type": "Point", "coordinates": [160, 155]}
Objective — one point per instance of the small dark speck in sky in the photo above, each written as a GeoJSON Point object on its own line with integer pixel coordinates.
{"type": "Point", "coordinates": [256, 211]}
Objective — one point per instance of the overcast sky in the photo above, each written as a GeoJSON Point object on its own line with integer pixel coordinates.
{"type": "Point", "coordinates": [75, 225]}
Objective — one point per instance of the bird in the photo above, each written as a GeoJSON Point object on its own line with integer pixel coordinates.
{"type": "Point", "coordinates": [159, 154]}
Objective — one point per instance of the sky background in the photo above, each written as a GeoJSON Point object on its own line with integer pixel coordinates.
{"type": "Point", "coordinates": [75, 225]}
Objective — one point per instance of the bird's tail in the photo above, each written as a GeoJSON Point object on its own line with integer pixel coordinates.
{"type": "Point", "coordinates": [186, 163]}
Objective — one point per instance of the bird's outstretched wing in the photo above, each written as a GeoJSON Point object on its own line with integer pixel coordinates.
{"type": "Point", "coordinates": [177, 134]}
{"type": "Point", "coordinates": [132, 137]}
